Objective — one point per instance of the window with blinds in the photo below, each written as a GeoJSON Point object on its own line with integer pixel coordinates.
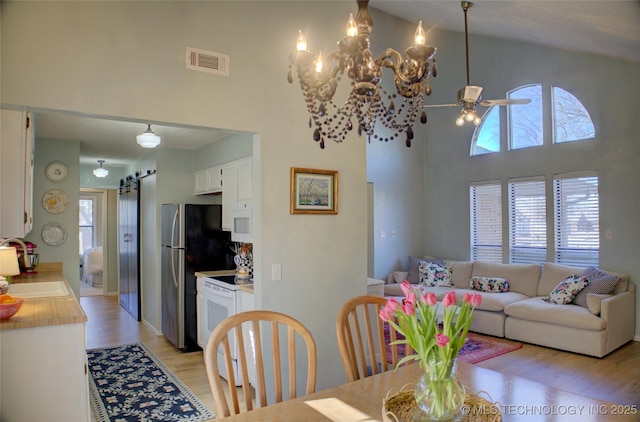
{"type": "Point", "coordinates": [577, 221]}
{"type": "Point", "coordinates": [486, 222]}
{"type": "Point", "coordinates": [527, 221]}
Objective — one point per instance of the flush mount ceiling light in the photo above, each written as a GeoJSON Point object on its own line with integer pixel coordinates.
{"type": "Point", "coordinates": [148, 139]}
{"type": "Point", "coordinates": [365, 106]}
{"type": "Point", "coordinates": [100, 171]}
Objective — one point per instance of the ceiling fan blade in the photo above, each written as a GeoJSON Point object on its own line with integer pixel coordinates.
{"type": "Point", "coordinates": [505, 101]}
{"type": "Point", "coordinates": [441, 105]}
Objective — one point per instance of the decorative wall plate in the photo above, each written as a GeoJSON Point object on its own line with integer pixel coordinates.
{"type": "Point", "coordinates": [54, 234]}
{"type": "Point", "coordinates": [56, 171]}
{"type": "Point", "coordinates": [55, 201]}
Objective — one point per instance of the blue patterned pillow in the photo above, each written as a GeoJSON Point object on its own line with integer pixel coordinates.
{"type": "Point", "coordinates": [489, 284]}
{"type": "Point", "coordinates": [434, 275]}
{"type": "Point", "coordinates": [567, 289]}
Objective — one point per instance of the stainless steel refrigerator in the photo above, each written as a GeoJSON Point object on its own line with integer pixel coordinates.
{"type": "Point", "coordinates": [192, 240]}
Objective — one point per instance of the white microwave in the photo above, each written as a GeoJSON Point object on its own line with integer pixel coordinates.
{"type": "Point", "coordinates": [242, 222]}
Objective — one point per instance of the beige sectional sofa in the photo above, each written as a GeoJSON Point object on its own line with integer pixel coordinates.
{"type": "Point", "coordinates": [522, 314]}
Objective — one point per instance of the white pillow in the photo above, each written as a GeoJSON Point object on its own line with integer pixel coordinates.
{"type": "Point", "coordinates": [594, 302]}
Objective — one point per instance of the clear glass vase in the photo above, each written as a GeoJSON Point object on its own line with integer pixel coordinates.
{"type": "Point", "coordinates": [439, 394]}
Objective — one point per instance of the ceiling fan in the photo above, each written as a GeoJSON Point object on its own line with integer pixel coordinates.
{"type": "Point", "coordinates": [470, 97]}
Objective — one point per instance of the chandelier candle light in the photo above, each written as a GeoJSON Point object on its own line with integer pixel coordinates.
{"type": "Point", "coordinates": [436, 341]}
{"type": "Point", "coordinates": [365, 105]}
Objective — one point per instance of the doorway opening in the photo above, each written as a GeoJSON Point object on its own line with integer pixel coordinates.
{"type": "Point", "coordinates": [92, 242]}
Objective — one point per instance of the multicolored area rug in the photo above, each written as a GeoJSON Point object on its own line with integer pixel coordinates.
{"type": "Point", "coordinates": [127, 383]}
{"type": "Point", "coordinates": [476, 349]}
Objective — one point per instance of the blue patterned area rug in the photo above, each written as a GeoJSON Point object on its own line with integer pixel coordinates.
{"type": "Point", "coordinates": [127, 383]}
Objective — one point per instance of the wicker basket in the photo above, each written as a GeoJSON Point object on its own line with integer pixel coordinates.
{"type": "Point", "coordinates": [400, 406]}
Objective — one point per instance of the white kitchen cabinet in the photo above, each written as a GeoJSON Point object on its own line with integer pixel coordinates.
{"type": "Point", "coordinates": [16, 173]}
{"type": "Point", "coordinates": [245, 179]}
{"type": "Point", "coordinates": [229, 194]}
{"type": "Point", "coordinates": [200, 182]}
{"type": "Point", "coordinates": [208, 181]}
{"type": "Point", "coordinates": [44, 374]}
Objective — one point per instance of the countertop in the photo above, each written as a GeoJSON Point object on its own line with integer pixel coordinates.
{"type": "Point", "coordinates": [46, 311]}
{"type": "Point", "coordinates": [244, 287]}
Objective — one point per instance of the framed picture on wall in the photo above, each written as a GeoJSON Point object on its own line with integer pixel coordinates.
{"type": "Point", "coordinates": [314, 191]}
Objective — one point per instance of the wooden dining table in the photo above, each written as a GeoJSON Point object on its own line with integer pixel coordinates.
{"type": "Point", "coordinates": [517, 399]}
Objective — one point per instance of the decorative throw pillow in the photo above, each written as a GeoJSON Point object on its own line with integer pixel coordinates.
{"type": "Point", "coordinates": [594, 302]}
{"type": "Point", "coordinates": [434, 275]}
{"type": "Point", "coordinates": [413, 277]}
{"type": "Point", "coordinates": [489, 284]}
{"type": "Point", "coordinates": [567, 289]}
{"type": "Point", "coordinates": [599, 282]}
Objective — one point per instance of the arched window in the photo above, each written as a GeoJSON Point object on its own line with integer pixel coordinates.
{"type": "Point", "coordinates": [571, 121]}
{"type": "Point", "coordinates": [525, 125]}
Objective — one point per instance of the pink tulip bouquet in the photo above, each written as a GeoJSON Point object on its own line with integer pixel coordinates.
{"type": "Point", "coordinates": [417, 321]}
{"type": "Point", "coordinates": [436, 341]}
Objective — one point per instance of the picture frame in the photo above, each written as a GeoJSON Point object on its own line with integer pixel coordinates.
{"type": "Point", "coordinates": [313, 191]}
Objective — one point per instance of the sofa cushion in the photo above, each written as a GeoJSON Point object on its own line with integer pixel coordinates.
{"type": "Point", "coordinates": [495, 302]}
{"type": "Point", "coordinates": [594, 302]}
{"type": "Point", "coordinates": [599, 282]}
{"type": "Point", "coordinates": [414, 277]}
{"type": "Point", "coordinates": [567, 290]}
{"type": "Point", "coordinates": [434, 275]}
{"type": "Point", "coordinates": [395, 290]}
{"type": "Point", "coordinates": [460, 272]}
{"type": "Point", "coordinates": [536, 309]}
{"type": "Point", "coordinates": [489, 284]}
{"type": "Point", "coordinates": [523, 278]}
{"type": "Point", "coordinates": [552, 274]}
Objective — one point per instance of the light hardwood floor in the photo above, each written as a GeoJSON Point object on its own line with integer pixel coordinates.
{"type": "Point", "coordinates": [614, 378]}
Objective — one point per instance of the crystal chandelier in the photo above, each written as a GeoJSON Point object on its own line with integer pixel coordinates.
{"type": "Point", "coordinates": [365, 106]}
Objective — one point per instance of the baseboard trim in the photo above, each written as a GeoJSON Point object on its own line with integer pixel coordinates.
{"type": "Point", "coordinates": [151, 327]}
{"type": "Point", "coordinates": [636, 338]}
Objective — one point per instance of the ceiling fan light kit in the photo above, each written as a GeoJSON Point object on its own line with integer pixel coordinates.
{"type": "Point", "coordinates": [100, 171]}
{"type": "Point", "coordinates": [368, 103]}
{"type": "Point", "coordinates": [470, 96]}
{"type": "Point", "coordinates": [148, 139]}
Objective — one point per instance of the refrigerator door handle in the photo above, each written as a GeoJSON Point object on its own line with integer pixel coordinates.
{"type": "Point", "coordinates": [173, 228]}
{"type": "Point", "coordinates": [173, 267]}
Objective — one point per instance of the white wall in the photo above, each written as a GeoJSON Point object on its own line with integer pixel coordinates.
{"type": "Point", "coordinates": [97, 58]}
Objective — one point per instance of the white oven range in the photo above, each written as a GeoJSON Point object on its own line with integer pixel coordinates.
{"type": "Point", "coordinates": [217, 298]}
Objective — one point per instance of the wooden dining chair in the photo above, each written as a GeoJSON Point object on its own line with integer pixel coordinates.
{"type": "Point", "coordinates": [260, 335]}
{"type": "Point", "coordinates": [363, 338]}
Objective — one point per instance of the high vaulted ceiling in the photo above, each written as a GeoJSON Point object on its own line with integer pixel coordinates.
{"type": "Point", "coordinates": [604, 27]}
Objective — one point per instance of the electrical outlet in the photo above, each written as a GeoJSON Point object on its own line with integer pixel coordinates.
{"type": "Point", "coordinates": [276, 272]}
{"type": "Point", "coordinates": [383, 233]}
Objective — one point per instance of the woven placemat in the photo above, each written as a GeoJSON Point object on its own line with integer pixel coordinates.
{"type": "Point", "coordinates": [400, 407]}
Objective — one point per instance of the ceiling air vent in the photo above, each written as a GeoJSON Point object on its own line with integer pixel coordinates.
{"type": "Point", "coordinates": [207, 61]}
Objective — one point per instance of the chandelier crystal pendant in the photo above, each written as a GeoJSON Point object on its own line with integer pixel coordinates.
{"type": "Point", "coordinates": [100, 171]}
{"type": "Point", "coordinates": [368, 102]}
{"type": "Point", "coordinates": [148, 139]}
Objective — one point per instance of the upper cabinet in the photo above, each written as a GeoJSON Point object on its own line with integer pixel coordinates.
{"type": "Point", "coordinates": [208, 181]}
{"type": "Point", "coordinates": [235, 180]}
{"type": "Point", "coordinates": [16, 173]}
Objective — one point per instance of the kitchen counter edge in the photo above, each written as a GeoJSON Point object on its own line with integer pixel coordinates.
{"type": "Point", "coordinates": [45, 311]}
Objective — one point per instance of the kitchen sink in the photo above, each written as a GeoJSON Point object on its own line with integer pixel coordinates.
{"type": "Point", "coordinates": [36, 290]}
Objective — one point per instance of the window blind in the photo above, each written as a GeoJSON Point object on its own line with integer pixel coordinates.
{"type": "Point", "coordinates": [486, 222]}
{"type": "Point", "coordinates": [527, 221]}
{"type": "Point", "coordinates": [577, 220]}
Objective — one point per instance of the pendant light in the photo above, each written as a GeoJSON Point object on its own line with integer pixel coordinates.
{"type": "Point", "coordinates": [100, 171]}
{"type": "Point", "coordinates": [148, 139]}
